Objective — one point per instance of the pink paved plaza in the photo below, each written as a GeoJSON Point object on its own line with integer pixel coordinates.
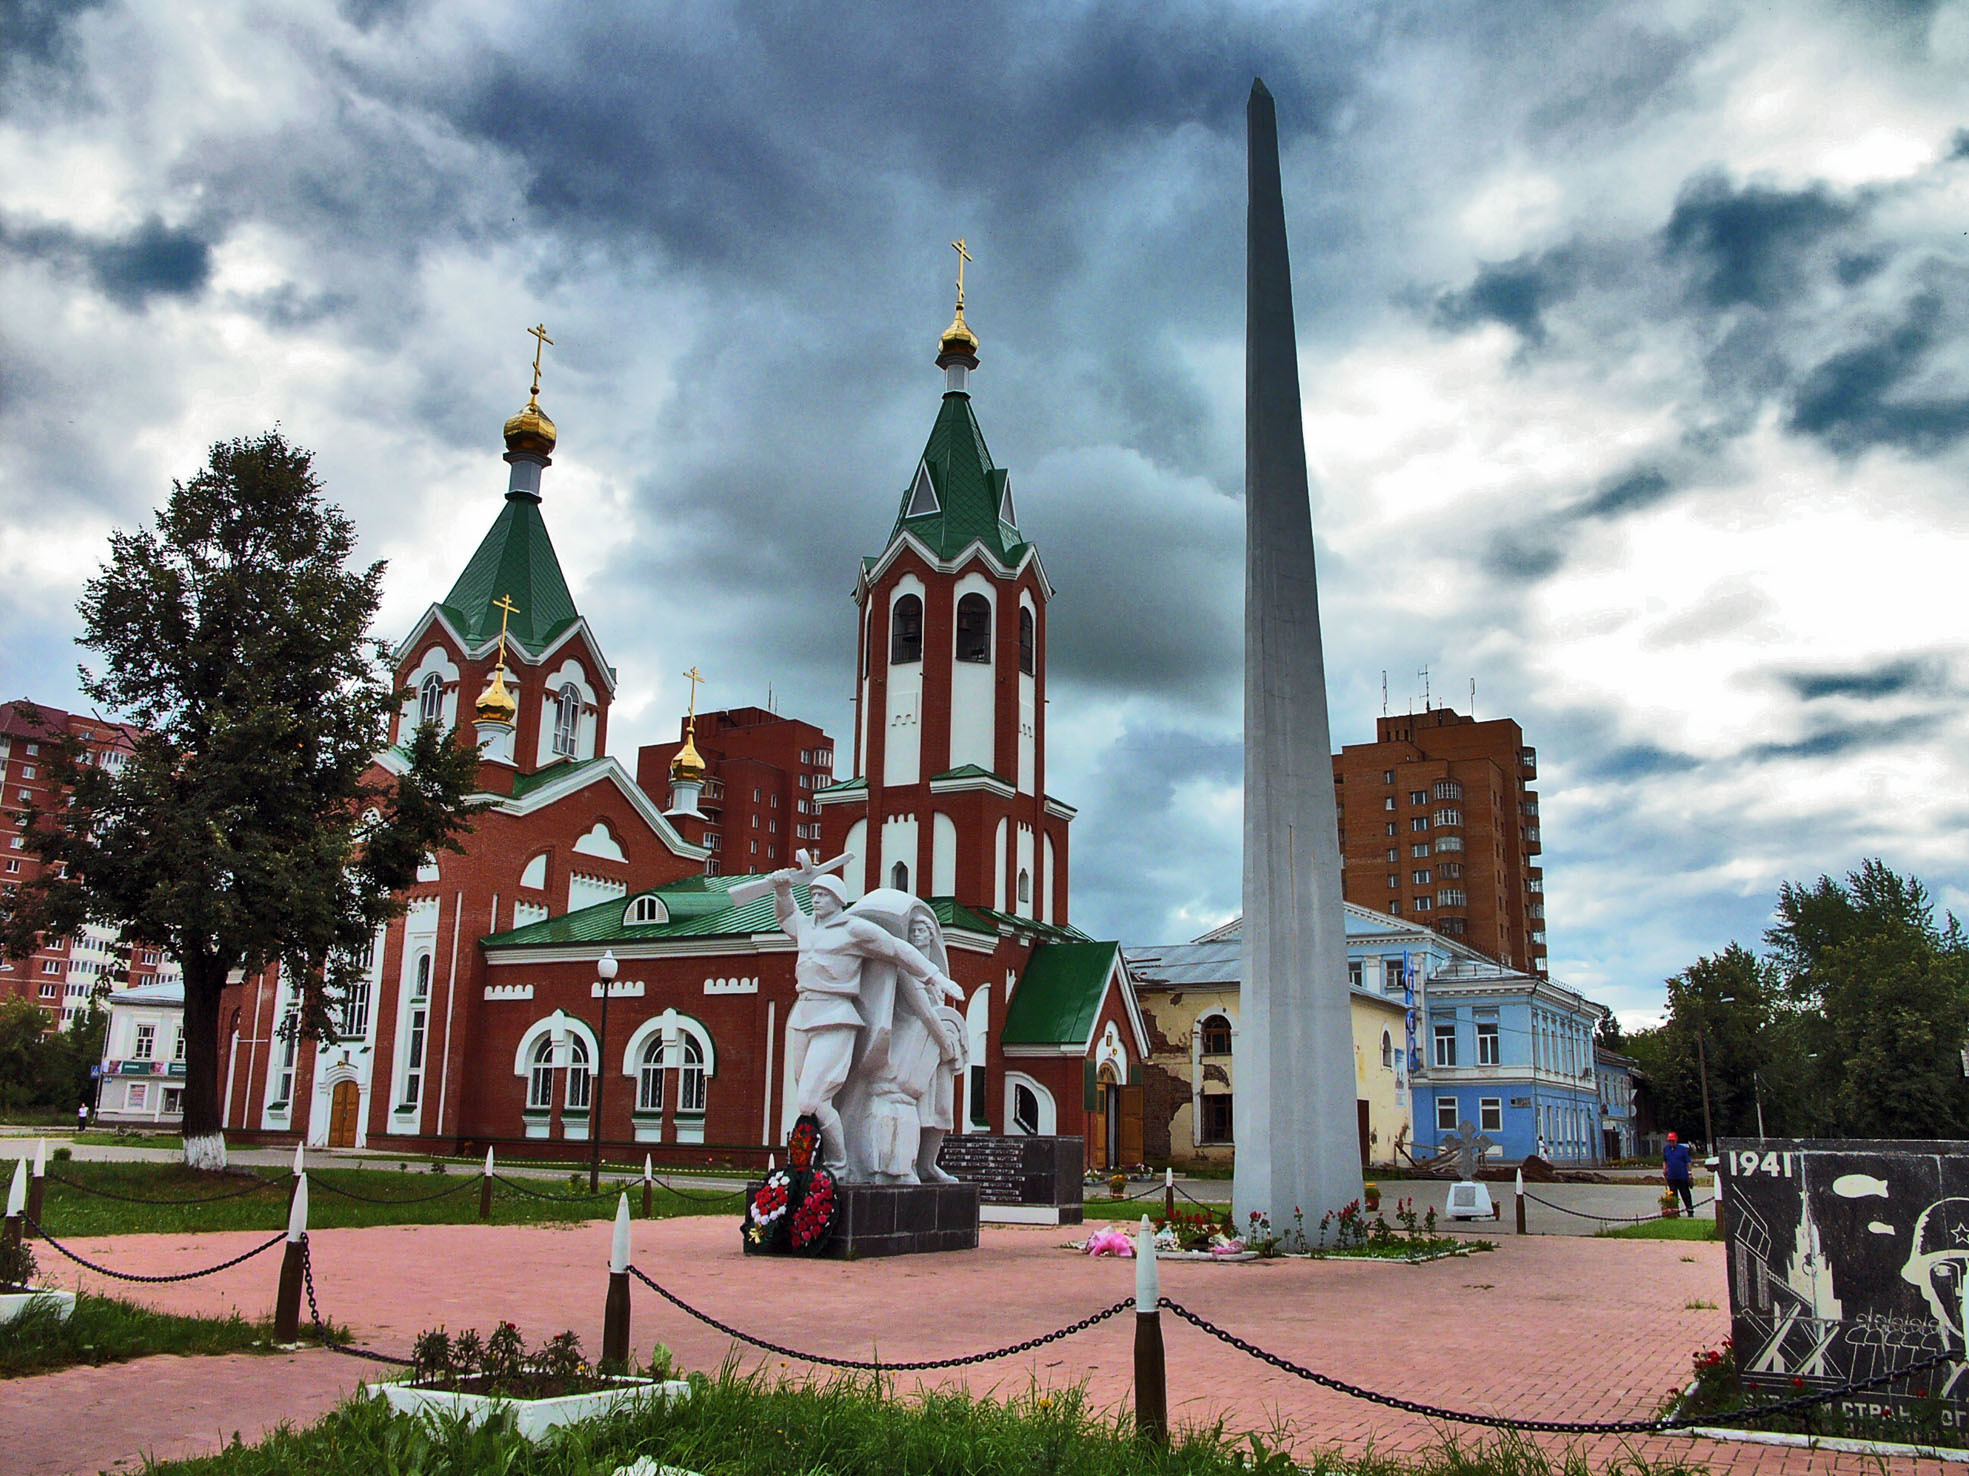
{"type": "Point", "coordinates": [1544, 1327]}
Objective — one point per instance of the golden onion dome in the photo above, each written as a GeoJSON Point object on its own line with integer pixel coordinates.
{"type": "Point", "coordinates": [958, 337]}
{"type": "Point", "coordinates": [497, 704]}
{"type": "Point", "coordinates": [531, 431]}
{"type": "Point", "coordinates": [688, 766]}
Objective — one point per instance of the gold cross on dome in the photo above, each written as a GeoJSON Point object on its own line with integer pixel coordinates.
{"type": "Point", "coordinates": [694, 679]}
{"type": "Point", "coordinates": [962, 257]}
{"type": "Point", "coordinates": [539, 331]}
{"type": "Point", "coordinates": [505, 606]}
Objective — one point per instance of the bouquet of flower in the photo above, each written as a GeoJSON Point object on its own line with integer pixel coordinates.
{"type": "Point", "coordinates": [794, 1209]}
{"type": "Point", "coordinates": [1110, 1243]}
{"type": "Point", "coordinates": [813, 1220]}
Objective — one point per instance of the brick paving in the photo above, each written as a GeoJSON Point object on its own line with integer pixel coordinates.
{"type": "Point", "coordinates": [1552, 1327]}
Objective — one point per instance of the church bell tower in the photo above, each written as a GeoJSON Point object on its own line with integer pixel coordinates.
{"type": "Point", "coordinates": [949, 797]}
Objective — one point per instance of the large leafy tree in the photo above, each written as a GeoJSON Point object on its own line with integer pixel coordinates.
{"type": "Point", "coordinates": [1722, 1016]}
{"type": "Point", "coordinates": [1880, 1000]}
{"type": "Point", "coordinates": [248, 828]}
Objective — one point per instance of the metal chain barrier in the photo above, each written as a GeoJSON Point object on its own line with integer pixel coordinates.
{"type": "Point", "coordinates": [258, 1186]}
{"type": "Point", "coordinates": [320, 1328]}
{"type": "Point", "coordinates": [1611, 1219]}
{"type": "Point", "coordinates": [712, 1197]}
{"type": "Point", "coordinates": [1199, 1203]}
{"type": "Point", "coordinates": [324, 1186]}
{"type": "Point", "coordinates": [155, 1280]}
{"type": "Point", "coordinates": [919, 1365]}
{"type": "Point", "coordinates": [520, 1188]}
{"type": "Point", "coordinates": [1550, 1427]}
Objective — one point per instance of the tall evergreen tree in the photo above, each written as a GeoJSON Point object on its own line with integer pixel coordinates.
{"type": "Point", "coordinates": [243, 830]}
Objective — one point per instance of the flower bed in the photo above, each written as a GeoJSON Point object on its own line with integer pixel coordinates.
{"type": "Point", "coordinates": [1343, 1234]}
{"type": "Point", "coordinates": [18, 1291]}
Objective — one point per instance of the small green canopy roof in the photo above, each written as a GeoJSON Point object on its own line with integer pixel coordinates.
{"type": "Point", "coordinates": [1059, 994]}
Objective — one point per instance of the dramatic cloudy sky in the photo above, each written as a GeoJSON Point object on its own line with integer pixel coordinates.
{"type": "Point", "coordinates": [1634, 340]}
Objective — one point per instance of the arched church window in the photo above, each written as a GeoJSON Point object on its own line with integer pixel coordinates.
{"type": "Point", "coordinates": [1026, 641]}
{"type": "Point", "coordinates": [577, 1074]}
{"type": "Point", "coordinates": [1216, 1035]}
{"type": "Point", "coordinates": [899, 877]}
{"type": "Point", "coordinates": [906, 631]}
{"type": "Point", "coordinates": [567, 719]}
{"type": "Point", "coordinates": [649, 1077]}
{"type": "Point", "coordinates": [540, 1075]}
{"type": "Point", "coordinates": [974, 628]}
{"type": "Point", "coordinates": [430, 699]}
{"type": "Point", "coordinates": [1387, 1050]}
{"type": "Point", "coordinates": [1025, 885]}
{"type": "Point", "coordinates": [1025, 1109]}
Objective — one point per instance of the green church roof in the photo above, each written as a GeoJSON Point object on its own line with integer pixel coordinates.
{"type": "Point", "coordinates": [969, 491]}
{"type": "Point", "coordinates": [1059, 994]}
{"type": "Point", "coordinates": [515, 560]}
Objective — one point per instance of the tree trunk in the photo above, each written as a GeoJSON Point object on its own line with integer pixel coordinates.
{"type": "Point", "coordinates": [204, 1132]}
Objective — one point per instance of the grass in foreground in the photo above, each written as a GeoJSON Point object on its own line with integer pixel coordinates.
{"type": "Point", "coordinates": [71, 1213]}
{"type": "Point", "coordinates": [738, 1426]}
{"type": "Point", "coordinates": [109, 1330]}
{"type": "Point", "coordinates": [1684, 1229]}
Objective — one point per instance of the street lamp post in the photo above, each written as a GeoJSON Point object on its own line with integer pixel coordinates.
{"type": "Point", "coordinates": [1702, 1070]}
{"type": "Point", "coordinates": [605, 968]}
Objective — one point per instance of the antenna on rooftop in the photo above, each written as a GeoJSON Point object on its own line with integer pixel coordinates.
{"type": "Point", "coordinates": [1384, 691]}
{"type": "Point", "coordinates": [1424, 674]}
{"type": "Point", "coordinates": [1473, 699]}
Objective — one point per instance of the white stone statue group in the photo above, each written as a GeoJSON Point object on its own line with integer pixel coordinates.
{"type": "Point", "coordinates": [873, 1044]}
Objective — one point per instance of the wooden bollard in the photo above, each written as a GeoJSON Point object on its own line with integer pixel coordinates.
{"type": "Point", "coordinates": [1520, 1197]}
{"type": "Point", "coordinates": [615, 1312]}
{"type": "Point", "coordinates": [1168, 1195]}
{"type": "Point", "coordinates": [287, 1301]}
{"type": "Point", "coordinates": [649, 1190]}
{"type": "Point", "coordinates": [16, 1204]}
{"type": "Point", "coordinates": [485, 1189]}
{"type": "Point", "coordinates": [1151, 1371]}
{"type": "Point", "coordinates": [37, 1186]}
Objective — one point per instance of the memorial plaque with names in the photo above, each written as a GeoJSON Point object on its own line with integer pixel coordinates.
{"type": "Point", "coordinates": [1848, 1259]}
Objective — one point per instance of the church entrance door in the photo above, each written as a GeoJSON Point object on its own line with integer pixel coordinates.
{"type": "Point", "coordinates": [343, 1108]}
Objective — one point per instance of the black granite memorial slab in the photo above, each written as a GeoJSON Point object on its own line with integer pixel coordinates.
{"type": "Point", "coordinates": [1020, 1171]}
{"type": "Point", "coordinates": [872, 1220]}
{"type": "Point", "coordinates": [1849, 1259]}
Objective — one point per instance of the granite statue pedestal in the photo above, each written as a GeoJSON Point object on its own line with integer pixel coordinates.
{"type": "Point", "coordinates": [873, 1220]}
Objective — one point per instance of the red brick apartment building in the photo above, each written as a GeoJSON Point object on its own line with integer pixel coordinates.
{"type": "Point", "coordinates": [63, 973]}
{"type": "Point", "coordinates": [761, 772]}
{"type": "Point", "coordinates": [1437, 824]}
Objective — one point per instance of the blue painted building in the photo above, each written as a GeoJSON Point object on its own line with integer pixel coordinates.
{"type": "Point", "coordinates": [1617, 1120]}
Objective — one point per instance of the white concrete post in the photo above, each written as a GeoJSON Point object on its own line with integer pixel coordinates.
{"type": "Point", "coordinates": [615, 1312]}
{"type": "Point", "coordinates": [1519, 1195]}
{"type": "Point", "coordinates": [1151, 1371]}
{"type": "Point", "coordinates": [649, 1189]}
{"type": "Point", "coordinates": [485, 1188]}
{"type": "Point", "coordinates": [287, 1301]}
{"type": "Point", "coordinates": [16, 1203]}
{"type": "Point", "coordinates": [38, 1185]}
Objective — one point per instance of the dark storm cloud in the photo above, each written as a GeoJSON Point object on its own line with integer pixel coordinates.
{"type": "Point", "coordinates": [1890, 680]}
{"type": "Point", "coordinates": [1521, 556]}
{"type": "Point", "coordinates": [1881, 394]}
{"type": "Point", "coordinates": [154, 260]}
{"type": "Point", "coordinates": [1635, 491]}
{"type": "Point", "coordinates": [1639, 761]}
{"type": "Point", "coordinates": [1842, 739]}
{"type": "Point", "coordinates": [39, 33]}
{"type": "Point", "coordinates": [1514, 293]}
{"type": "Point", "coordinates": [1748, 244]}
{"type": "Point", "coordinates": [1959, 146]}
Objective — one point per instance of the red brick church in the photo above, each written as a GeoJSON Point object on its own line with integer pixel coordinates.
{"type": "Point", "coordinates": [481, 1020]}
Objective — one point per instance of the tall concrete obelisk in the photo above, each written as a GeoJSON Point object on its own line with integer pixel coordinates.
{"type": "Point", "coordinates": [1294, 1119]}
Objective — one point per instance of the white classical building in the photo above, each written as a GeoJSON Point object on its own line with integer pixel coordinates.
{"type": "Point", "coordinates": [143, 1067]}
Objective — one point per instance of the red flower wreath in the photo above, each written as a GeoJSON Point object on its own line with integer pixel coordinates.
{"type": "Point", "coordinates": [794, 1210]}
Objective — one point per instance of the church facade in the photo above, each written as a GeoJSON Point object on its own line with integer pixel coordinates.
{"type": "Point", "coordinates": [484, 1020]}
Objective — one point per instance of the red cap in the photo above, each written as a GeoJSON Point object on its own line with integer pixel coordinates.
{"type": "Point", "coordinates": [1673, 1139]}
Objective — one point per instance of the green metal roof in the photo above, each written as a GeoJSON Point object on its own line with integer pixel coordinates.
{"type": "Point", "coordinates": [970, 490]}
{"type": "Point", "coordinates": [1059, 994]}
{"type": "Point", "coordinates": [697, 905]}
{"type": "Point", "coordinates": [970, 771]}
{"type": "Point", "coordinates": [844, 787]}
{"type": "Point", "coordinates": [515, 560]}
{"type": "Point", "coordinates": [525, 784]}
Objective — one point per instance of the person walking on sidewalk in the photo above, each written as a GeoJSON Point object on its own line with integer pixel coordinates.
{"type": "Point", "coordinates": [1675, 1169]}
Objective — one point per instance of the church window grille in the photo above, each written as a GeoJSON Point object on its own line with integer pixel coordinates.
{"type": "Point", "coordinates": [899, 877]}
{"type": "Point", "coordinates": [355, 1007]}
{"type": "Point", "coordinates": [567, 720]}
{"type": "Point", "coordinates": [1025, 885]}
{"type": "Point", "coordinates": [540, 1075]}
{"type": "Point", "coordinates": [690, 1085]}
{"type": "Point", "coordinates": [430, 699]}
{"type": "Point", "coordinates": [906, 631]}
{"type": "Point", "coordinates": [1026, 642]}
{"type": "Point", "coordinates": [974, 628]}
{"type": "Point", "coordinates": [1216, 1035]}
{"type": "Point", "coordinates": [649, 1077]}
{"type": "Point", "coordinates": [290, 1032]}
{"type": "Point", "coordinates": [577, 1074]}
{"type": "Point", "coordinates": [413, 1055]}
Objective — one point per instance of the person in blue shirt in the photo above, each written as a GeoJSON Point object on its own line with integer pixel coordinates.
{"type": "Point", "coordinates": [1675, 1168]}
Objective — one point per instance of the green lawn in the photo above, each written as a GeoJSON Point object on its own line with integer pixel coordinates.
{"type": "Point", "coordinates": [733, 1426]}
{"type": "Point", "coordinates": [69, 1212]}
{"type": "Point", "coordinates": [108, 1330]}
{"type": "Point", "coordinates": [1682, 1229]}
{"type": "Point", "coordinates": [1103, 1208]}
